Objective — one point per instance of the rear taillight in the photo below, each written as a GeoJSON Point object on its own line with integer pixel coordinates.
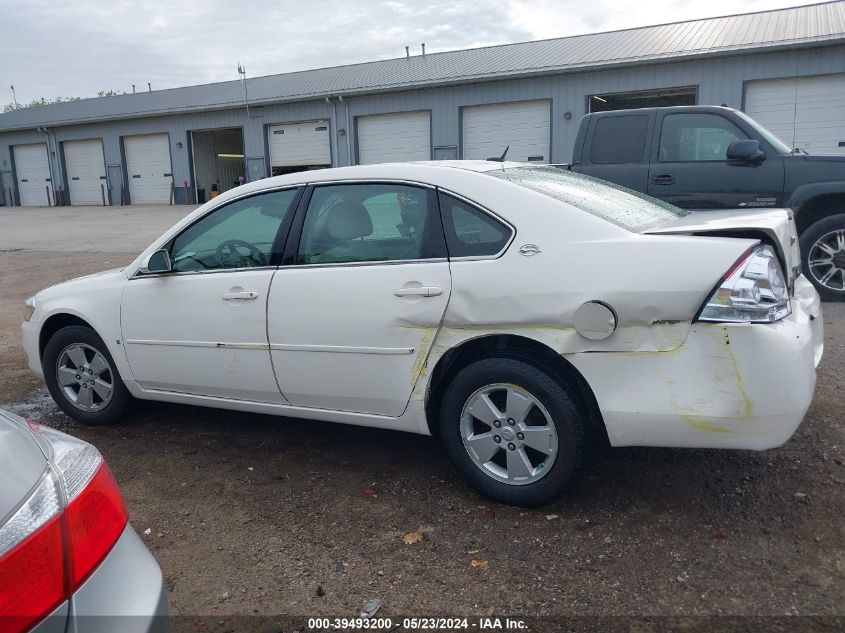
{"type": "Point", "coordinates": [61, 533]}
{"type": "Point", "coordinates": [753, 290]}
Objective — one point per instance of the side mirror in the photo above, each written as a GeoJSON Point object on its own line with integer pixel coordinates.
{"type": "Point", "coordinates": [159, 262]}
{"type": "Point", "coordinates": [746, 151]}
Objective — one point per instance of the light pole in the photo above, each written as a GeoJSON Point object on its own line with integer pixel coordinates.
{"type": "Point", "coordinates": [242, 73]}
{"type": "Point", "coordinates": [14, 98]}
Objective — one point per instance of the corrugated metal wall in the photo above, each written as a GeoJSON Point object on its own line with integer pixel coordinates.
{"type": "Point", "coordinates": [719, 80]}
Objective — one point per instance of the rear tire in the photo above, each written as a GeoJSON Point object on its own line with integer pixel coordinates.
{"type": "Point", "coordinates": [82, 377]}
{"type": "Point", "coordinates": [513, 431]}
{"type": "Point", "coordinates": [823, 254]}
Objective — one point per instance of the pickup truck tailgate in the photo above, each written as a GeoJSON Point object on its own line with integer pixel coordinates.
{"type": "Point", "coordinates": [775, 226]}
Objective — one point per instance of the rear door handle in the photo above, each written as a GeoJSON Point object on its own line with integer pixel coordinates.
{"type": "Point", "coordinates": [240, 296]}
{"type": "Point", "coordinates": [420, 291]}
{"type": "Point", "coordinates": [663, 179]}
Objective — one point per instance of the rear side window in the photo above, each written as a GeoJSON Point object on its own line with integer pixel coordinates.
{"type": "Point", "coordinates": [619, 139]}
{"type": "Point", "coordinates": [471, 232]}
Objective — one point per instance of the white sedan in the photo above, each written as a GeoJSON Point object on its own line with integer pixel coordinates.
{"type": "Point", "coordinates": [522, 313]}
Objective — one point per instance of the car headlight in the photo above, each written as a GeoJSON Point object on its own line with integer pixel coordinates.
{"type": "Point", "coordinates": [752, 291]}
{"type": "Point", "coordinates": [29, 308]}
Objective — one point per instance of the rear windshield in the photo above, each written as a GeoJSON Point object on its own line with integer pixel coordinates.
{"type": "Point", "coordinates": [621, 206]}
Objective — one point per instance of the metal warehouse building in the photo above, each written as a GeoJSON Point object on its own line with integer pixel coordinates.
{"type": "Point", "coordinates": [785, 68]}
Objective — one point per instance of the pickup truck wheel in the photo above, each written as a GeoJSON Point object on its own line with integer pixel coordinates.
{"type": "Point", "coordinates": [513, 431]}
{"type": "Point", "coordinates": [82, 377]}
{"type": "Point", "coordinates": [823, 256]}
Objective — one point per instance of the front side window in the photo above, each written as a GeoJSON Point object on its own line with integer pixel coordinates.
{"type": "Point", "coordinates": [348, 223]}
{"type": "Point", "coordinates": [237, 235]}
{"type": "Point", "coordinates": [696, 137]}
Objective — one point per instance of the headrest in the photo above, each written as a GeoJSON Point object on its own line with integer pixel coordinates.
{"type": "Point", "coordinates": [348, 220]}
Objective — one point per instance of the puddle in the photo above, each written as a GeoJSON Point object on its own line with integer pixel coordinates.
{"type": "Point", "coordinates": [40, 407]}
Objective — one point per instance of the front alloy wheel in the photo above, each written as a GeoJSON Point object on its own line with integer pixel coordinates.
{"type": "Point", "coordinates": [82, 377]}
{"type": "Point", "coordinates": [827, 260]}
{"type": "Point", "coordinates": [823, 256]}
{"type": "Point", "coordinates": [85, 377]}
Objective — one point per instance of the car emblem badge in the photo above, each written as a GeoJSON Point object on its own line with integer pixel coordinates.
{"type": "Point", "coordinates": [529, 250]}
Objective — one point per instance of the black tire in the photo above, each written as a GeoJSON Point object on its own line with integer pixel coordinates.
{"type": "Point", "coordinates": [120, 397]}
{"type": "Point", "coordinates": [812, 235]}
{"type": "Point", "coordinates": [571, 425]}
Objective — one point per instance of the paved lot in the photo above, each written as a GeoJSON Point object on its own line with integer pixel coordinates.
{"type": "Point", "coordinates": [102, 229]}
{"type": "Point", "coordinates": [250, 515]}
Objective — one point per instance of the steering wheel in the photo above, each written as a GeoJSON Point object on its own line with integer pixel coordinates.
{"type": "Point", "coordinates": [229, 255]}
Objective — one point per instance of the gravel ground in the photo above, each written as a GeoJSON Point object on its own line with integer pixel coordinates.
{"type": "Point", "coordinates": [254, 516]}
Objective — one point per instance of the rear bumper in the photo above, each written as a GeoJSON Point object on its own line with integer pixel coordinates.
{"type": "Point", "coordinates": [126, 593]}
{"type": "Point", "coordinates": [743, 386]}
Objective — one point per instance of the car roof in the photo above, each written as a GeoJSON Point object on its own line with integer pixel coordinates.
{"type": "Point", "coordinates": [421, 171]}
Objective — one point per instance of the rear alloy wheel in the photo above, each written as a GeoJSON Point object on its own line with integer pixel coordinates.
{"type": "Point", "coordinates": [823, 255]}
{"type": "Point", "coordinates": [82, 377]}
{"type": "Point", "coordinates": [513, 430]}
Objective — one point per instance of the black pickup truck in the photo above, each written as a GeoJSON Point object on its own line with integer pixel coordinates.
{"type": "Point", "coordinates": [709, 157]}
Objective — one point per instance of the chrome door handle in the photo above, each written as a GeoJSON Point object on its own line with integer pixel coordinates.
{"type": "Point", "coordinates": [240, 296]}
{"type": "Point", "coordinates": [421, 291]}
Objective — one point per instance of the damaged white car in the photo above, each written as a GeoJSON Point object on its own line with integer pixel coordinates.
{"type": "Point", "coordinates": [521, 313]}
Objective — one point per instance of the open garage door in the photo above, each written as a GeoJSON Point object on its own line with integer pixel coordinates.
{"type": "Point", "coordinates": [524, 126]}
{"type": "Point", "coordinates": [387, 138]}
{"type": "Point", "coordinates": [218, 159]}
{"type": "Point", "coordinates": [86, 172]}
{"type": "Point", "coordinates": [148, 168]}
{"type": "Point", "coordinates": [299, 146]}
{"type": "Point", "coordinates": [804, 112]}
{"type": "Point", "coordinates": [32, 169]}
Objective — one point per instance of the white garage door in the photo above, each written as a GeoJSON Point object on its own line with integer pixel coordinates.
{"type": "Point", "coordinates": [305, 144]}
{"type": "Point", "coordinates": [524, 126]}
{"type": "Point", "coordinates": [148, 168]}
{"type": "Point", "coordinates": [388, 138]}
{"type": "Point", "coordinates": [86, 171]}
{"type": "Point", "coordinates": [804, 112]}
{"type": "Point", "coordinates": [33, 173]}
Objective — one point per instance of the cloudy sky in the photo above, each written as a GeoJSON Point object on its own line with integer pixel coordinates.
{"type": "Point", "coordinates": [79, 47]}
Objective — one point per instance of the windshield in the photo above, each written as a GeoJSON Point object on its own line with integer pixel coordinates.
{"type": "Point", "coordinates": [773, 140]}
{"type": "Point", "coordinates": [621, 206]}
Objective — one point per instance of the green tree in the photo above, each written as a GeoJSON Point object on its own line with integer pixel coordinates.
{"type": "Point", "coordinates": [39, 102]}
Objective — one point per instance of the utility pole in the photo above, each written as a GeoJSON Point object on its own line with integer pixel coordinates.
{"type": "Point", "coordinates": [242, 73]}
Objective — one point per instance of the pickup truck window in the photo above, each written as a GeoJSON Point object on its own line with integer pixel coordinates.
{"type": "Point", "coordinates": [619, 139]}
{"type": "Point", "coordinates": [773, 140]}
{"type": "Point", "coordinates": [696, 137]}
{"type": "Point", "coordinates": [618, 205]}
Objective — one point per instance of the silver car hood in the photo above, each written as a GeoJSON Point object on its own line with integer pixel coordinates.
{"type": "Point", "coordinates": [22, 463]}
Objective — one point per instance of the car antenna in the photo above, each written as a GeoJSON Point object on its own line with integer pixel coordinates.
{"type": "Point", "coordinates": [500, 159]}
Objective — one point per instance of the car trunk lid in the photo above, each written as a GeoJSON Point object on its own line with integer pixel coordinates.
{"type": "Point", "coordinates": [773, 226]}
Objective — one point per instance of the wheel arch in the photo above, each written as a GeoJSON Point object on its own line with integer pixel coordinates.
{"type": "Point", "coordinates": [816, 202]}
{"type": "Point", "coordinates": [511, 345]}
{"type": "Point", "coordinates": [56, 322]}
